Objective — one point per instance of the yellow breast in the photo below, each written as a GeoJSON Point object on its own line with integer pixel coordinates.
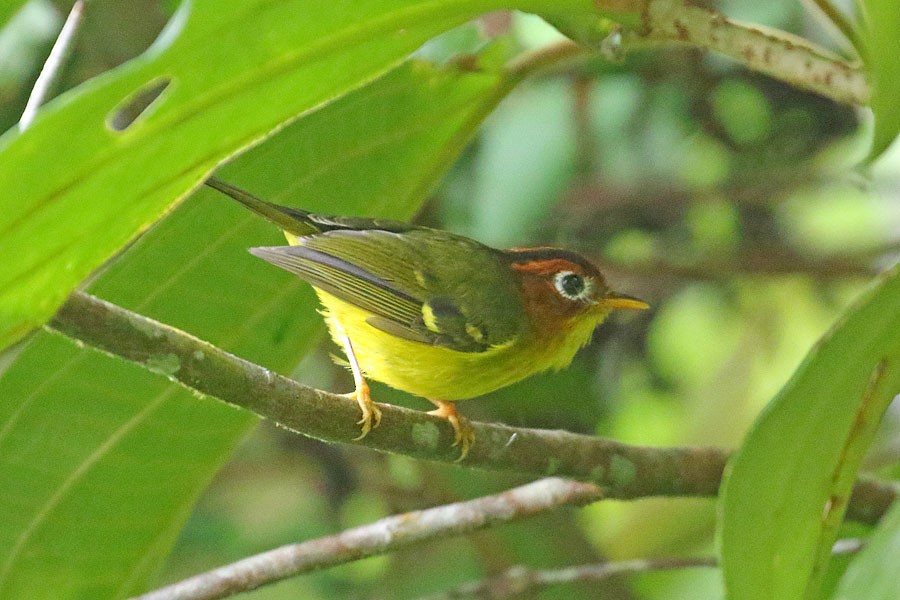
{"type": "Point", "coordinates": [439, 373]}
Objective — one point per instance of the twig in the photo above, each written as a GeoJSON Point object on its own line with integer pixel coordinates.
{"type": "Point", "coordinates": [623, 470]}
{"type": "Point", "coordinates": [519, 580]}
{"type": "Point", "coordinates": [379, 537]}
{"type": "Point", "coordinates": [52, 66]}
{"type": "Point", "coordinates": [768, 262]}
{"type": "Point", "coordinates": [776, 53]}
{"type": "Point", "coordinates": [400, 531]}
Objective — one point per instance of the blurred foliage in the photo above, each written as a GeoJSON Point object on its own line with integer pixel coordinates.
{"type": "Point", "coordinates": [726, 199]}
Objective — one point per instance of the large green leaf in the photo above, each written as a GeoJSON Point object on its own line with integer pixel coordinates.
{"type": "Point", "coordinates": [873, 574]}
{"type": "Point", "coordinates": [787, 487]}
{"type": "Point", "coordinates": [83, 179]}
{"type": "Point", "coordinates": [880, 32]}
{"type": "Point", "coordinates": [101, 461]}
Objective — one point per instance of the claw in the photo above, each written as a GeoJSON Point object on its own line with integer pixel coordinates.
{"type": "Point", "coordinates": [463, 433]}
{"type": "Point", "coordinates": [371, 414]}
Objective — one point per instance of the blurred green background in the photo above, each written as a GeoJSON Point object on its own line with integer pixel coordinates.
{"type": "Point", "coordinates": [726, 199]}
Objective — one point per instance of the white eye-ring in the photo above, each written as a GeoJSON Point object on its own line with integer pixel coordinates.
{"type": "Point", "coordinates": [572, 285]}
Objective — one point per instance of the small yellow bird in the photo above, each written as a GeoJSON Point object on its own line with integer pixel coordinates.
{"type": "Point", "coordinates": [435, 314]}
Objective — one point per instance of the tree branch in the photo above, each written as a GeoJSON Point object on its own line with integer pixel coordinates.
{"type": "Point", "coordinates": [379, 537]}
{"type": "Point", "coordinates": [769, 261]}
{"type": "Point", "coordinates": [624, 471]}
{"type": "Point", "coordinates": [776, 53]}
{"type": "Point", "coordinates": [399, 531]}
{"type": "Point", "coordinates": [519, 581]}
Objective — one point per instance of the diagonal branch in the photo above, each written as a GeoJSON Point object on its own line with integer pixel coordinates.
{"type": "Point", "coordinates": [400, 531]}
{"type": "Point", "coordinates": [382, 536]}
{"type": "Point", "coordinates": [778, 54]}
{"type": "Point", "coordinates": [624, 471]}
{"type": "Point", "coordinates": [519, 581]}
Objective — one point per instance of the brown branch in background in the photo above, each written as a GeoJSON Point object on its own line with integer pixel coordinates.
{"type": "Point", "coordinates": [624, 471]}
{"type": "Point", "coordinates": [776, 53]}
{"type": "Point", "coordinates": [382, 536]}
{"type": "Point", "coordinates": [581, 86]}
{"type": "Point", "coordinates": [761, 262]}
{"type": "Point", "coordinates": [519, 581]}
{"type": "Point", "coordinates": [401, 531]}
{"type": "Point", "coordinates": [770, 260]}
{"type": "Point", "coordinates": [547, 58]}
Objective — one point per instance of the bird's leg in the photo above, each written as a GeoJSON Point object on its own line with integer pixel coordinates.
{"type": "Point", "coordinates": [463, 434]}
{"type": "Point", "coordinates": [370, 412]}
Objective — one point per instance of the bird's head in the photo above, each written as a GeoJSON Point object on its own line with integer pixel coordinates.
{"type": "Point", "coordinates": [562, 289]}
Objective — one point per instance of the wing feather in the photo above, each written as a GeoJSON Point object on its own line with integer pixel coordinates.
{"type": "Point", "coordinates": [343, 280]}
{"type": "Point", "coordinates": [393, 275]}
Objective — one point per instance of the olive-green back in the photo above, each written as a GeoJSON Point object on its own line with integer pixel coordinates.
{"type": "Point", "coordinates": [421, 284]}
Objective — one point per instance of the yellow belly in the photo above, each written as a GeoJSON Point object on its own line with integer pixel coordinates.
{"type": "Point", "coordinates": [440, 373]}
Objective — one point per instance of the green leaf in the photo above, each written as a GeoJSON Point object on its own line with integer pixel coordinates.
{"type": "Point", "coordinates": [103, 162]}
{"type": "Point", "coordinates": [8, 8]}
{"type": "Point", "coordinates": [786, 489]}
{"type": "Point", "coordinates": [98, 472]}
{"type": "Point", "coordinates": [97, 449]}
{"type": "Point", "coordinates": [880, 28]}
{"type": "Point", "coordinates": [873, 574]}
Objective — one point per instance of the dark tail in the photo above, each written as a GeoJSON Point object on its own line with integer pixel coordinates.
{"type": "Point", "coordinates": [291, 220]}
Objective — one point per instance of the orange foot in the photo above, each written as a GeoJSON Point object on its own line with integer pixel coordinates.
{"type": "Point", "coordinates": [463, 434]}
{"type": "Point", "coordinates": [371, 414]}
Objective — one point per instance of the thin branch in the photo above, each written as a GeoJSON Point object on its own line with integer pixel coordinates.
{"type": "Point", "coordinates": [52, 66]}
{"type": "Point", "coordinates": [624, 471]}
{"type": "Point", "coordinates": [519, 580]}
{"type": "Point", "coordinates": [400, 531]}
{"type": "Point", "coordinates": [776, 53]}
{"type": "Point", "coordinates": [771, 261]}
{"type": "Point", "coordinates": [379, 537]}
{"type": "Point", "coordinates": [553, 56]}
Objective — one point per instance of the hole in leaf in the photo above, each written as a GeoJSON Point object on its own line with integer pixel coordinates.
{"type": "Point", "coordinates": [138, 104]}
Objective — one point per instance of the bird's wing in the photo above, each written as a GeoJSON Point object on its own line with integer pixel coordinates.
{"type": "Point", "coordinates": [393, 276]}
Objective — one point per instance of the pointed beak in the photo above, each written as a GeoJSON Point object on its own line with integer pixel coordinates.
{"type": "Point", "coordinates": [621, 301]}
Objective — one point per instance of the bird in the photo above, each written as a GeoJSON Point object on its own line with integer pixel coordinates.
{"type": "Point", "coordinates": [435, 314]}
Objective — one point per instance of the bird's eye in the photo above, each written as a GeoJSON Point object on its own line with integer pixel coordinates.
{"type": "Point", "coordinates": [570, 285]}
